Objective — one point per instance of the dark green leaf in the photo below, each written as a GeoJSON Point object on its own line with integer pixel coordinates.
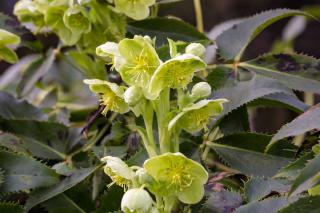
{"type": "Point", "coordinates": [304, 123]}
{"type": "Point", "coordinates": [222, 202]}
{"type": "Point", "coordinates": [23, 173]}
{"type": "Point", "coordinates": [235, 122]}
{"type": "Point", "coordinates": [110, 200]}
{"type": "Point", "coordinates": [163, 28]}
{"type": "Point", "coordinates": [232, 43]}
{"type": "Point", "coordinates": [10, 207]}
{"type": "Point", "coordinates": [41, 195]}
{"type": "Point", "coordinates": [219, 77]}
{"type": "Point", "coordinates": [258, 188]}
{"type": "Point", "coordinates": [299, 72]}
{"type": "Point", "coordinates": [61, 203]}
{"type": "Point", "coordinates": [303, 205]}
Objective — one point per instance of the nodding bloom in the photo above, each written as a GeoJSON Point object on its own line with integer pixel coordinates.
{"type": "Point", "coordinates": [135, 9]}
{"type": "Point", "coordinates": [196, 117]}
{"type": "Point", "coordinates": [111, 95]}
{"type": "Point", "coordinates": [119, 172]}
{"type": "Point", "coordinates": [136, 200]}
{"type": "Point", "coordinates": [178, 176]}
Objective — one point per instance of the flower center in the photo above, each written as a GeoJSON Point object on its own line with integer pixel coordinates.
{"type": "Point", "coordinates": [178, 176]}
{"type": "Point", "coordinates": [109, 100]}
{"type": "Point", "coordinates": [116, 179]}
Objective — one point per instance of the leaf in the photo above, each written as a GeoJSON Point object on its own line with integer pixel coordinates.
{"type": "Point", "coordinates": [246, 91]}
{"type": "Point", "coordinates": [61, 203]}
{"type": "Point", "coordinates": [34, 72]}
{"type": "Point", "coordinates": [292, 170]}
{"type": "Point", "coordinates": [270, 205]}
{"type": "Point", "coordinates": [235, 122]}
{"type": "Point", "coordinates": [299, 72]}
{"type": "Point", "coordinates": [41, 195]}
{"type": "Point", "coordinates": [164, 28]}
{"type": "Point", "coordinates": [258, 188]}
{"type": "Point", "coordinates": [244, 152]}
{"type": "Point", "coordinates": [303, 123]}
{"type": "Point", "coordinates": [110, 200]}
{"type": "Point", "coordinates": [12, 108]}
{"type": "Point", "coordinates": [8, 207]}
{"type": "Point", "coordinates": [303, 205]}
{"type": "Point", "coordinates": [8, 55]}
{"type": "Point", "coordinates": [22, 173]}
{"type": "Point", "coordinates": [232, 43]}
{"type": "Point", "coordinates": [219, 77]}
{"type": "Point", "coordinates": [305, 179]}
{"type": "Point", "coordinates": [222, 202]}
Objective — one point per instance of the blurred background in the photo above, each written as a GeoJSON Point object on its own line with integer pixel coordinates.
{"type": "Point", "coordinates": [219, 11]}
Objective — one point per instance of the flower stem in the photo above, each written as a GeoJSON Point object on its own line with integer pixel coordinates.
{"type": "Point", "coordinates": [198, 12]}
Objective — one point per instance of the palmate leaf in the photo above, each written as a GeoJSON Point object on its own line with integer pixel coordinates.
{"type": "Point", "coordinates": [41, 195]}
{"type": "Point", "coordinates": [303, 205]}
{"type": "Point", "coordinates": [305, 179]}
{"type": "Point", "coordinates": [163, 28]}
{"type": "Point", "coordinates": [305, 122]}
{"type": "Point", "coordinates": [258, 188]}
{"type": "Point", "coordinates": [232, 43]}
{"type": "Point", "coordinates": [8, 207]}
{"type": "Point", "coordinates": [22, 173]}
{"type": "Point", "coordinates": [299, 72]}
{"type": "Point", "coordinates": [245, 153]}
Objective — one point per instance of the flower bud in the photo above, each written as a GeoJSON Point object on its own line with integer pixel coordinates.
{"type": "Point", "coordinates": [201, 90]}
{"type": "Point", "coordinates": [136, 200]}
{"type": "Point", "coordinates": [132, 95]}
{"type": "Point", "coordinates": [196, 49]}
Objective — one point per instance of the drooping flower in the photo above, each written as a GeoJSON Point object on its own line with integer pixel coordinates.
{"type": "Point", "coordinates": [135, 9]}
{"type": "Point", "coordinates": [136, 200]}
{"type": "Point", "coordinates": [175, 73]}
{"type": "Point", "coordinates": [196, 117]}
{"type": "Point", "coordinates": [119, 172]}
{"type": "Point", "coordinates": [110, 53]}
{"type": "Point", "coordinates": [111, 95]}
{"type": "Point", "coordinates": [179, 176]}
{"type": "Point", "coordinates": [27, 11]}
{"type": "Point", "coordinates": [75, 18]}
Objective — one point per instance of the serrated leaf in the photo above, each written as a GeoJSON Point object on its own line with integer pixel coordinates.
{"type": "Point", "coordinates": [292, 170]}
{"type": "Point", "coordinates": [12, 108]}
{"type": "Point", "coordinates": [258, 188]}
{"type": "Point", "coordinates": [299, 72]}
{"type": "Point", "coordinates": [303, 205]}
{"type": "Point", "coordinates": [305, 179]}
{"type": "Point", "coordinates": [163, 28]}
{"type": "Point", "coordinates": [61, 203]}
{"type": "Point", "coordinates": [232, 43]}
{"type": "Point", "coordinates": [222, 202]}
{"type": "Point", "coordinates": [303, 123]}
{"type": "Point", "coordinates": [110, 200]}
{"type": "Point", "coordinates": [219, 77]}
{"type": "Point", "coordinates": [34, 72]}
{"type": "Point", "coordinates": [235, 122]}
{"type": "Point", "coordinates": [247, 91]}
{"type": "Point", "coordinates": [270, 205]}
{"type": "Point", "coordinates": [41, 195]}
{"type": "Point", "coordinates": [8, 207]}
{"type": "Point", "coordinates": [22, 173]}
{"type": "Point", "coordinates": [244, 152]}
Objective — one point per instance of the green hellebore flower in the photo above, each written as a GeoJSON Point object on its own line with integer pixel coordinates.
{"type": "Point", "coordinates": [196, 49]}
{"type": "Point", "coordinates": [110, 53]}
{"type": "Point", "coordinates": [133, 95]}
{"type": "Point", "coordinates": [201, 90]}
{"type": "Point", "coordinates": [196, 117]}
{"type": "Point", "coordinates": [141, 60]}
{"type": "Point", "coordinates": [111, 95]}
{"type": "Point", "coordinates": [75, 18]}
{"type": "Point", "coordinates": [180, 176]}
{"type": "Point", "coordinates": [119, 172]}
{"type": "Point", "coordinates": [175, 73]}
{"type": "Point", "coordinates": [136, 200]}
{"type": "Point", "coordinates": [135, 9]}
{"type": "Point", "coordinates": [27, 12]}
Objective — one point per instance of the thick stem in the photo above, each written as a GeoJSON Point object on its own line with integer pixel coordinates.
{"type": "Point", "coordinates": [198, 11]}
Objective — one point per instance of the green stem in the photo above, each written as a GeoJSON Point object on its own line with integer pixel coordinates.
{"type": "Point", "coordinates": [148, 121]}
{"type": "Point", "coordinates": [198, 11]}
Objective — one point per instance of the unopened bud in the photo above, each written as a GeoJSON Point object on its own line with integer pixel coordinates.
{"type": "Point", "coordinates": [201, 90]}
{"type": "Point", "coordinates": [196, 49]}
{"type": "Point", "coordinates": [136, 200]}
{"type": "Point", "coordinates": [132, 95]}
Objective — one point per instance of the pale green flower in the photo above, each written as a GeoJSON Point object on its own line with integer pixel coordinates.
{"type": "Point", "coordinates": [111, 54]}
{"type": "Point", "coordinates": [135, 9]}
{"type": "Point", "coordinates": [75, 18]}
{"type": "Point", "coordinates": [179, 176]}
{"type": "Point", "coordinates": [175, 73]}
{"type": "Point", "coordinates": [201, 90]}
{"type": "Point", "coordinates": [133, 95]}
{"type": "Point", "coordinates": [119, 172]}
{"type": "Point", "coordinates": [196, 117]}
{"type": "Point", "coordinates": [136, 200]}
{"type": "Point", "coordinates": [7, 38]}
{"type": "Point", "coordinates": [27, 11]}
{"type": "Point", "coordinates": [196, 49]}
{"type": "Point", "coordinates": [111, 95]}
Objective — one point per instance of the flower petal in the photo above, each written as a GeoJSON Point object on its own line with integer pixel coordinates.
{"type": "Point", "coordinates": [192, 194]}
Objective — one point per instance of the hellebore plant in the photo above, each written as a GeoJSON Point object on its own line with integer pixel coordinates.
{"type": "Point", "coordinates": [157, 90]}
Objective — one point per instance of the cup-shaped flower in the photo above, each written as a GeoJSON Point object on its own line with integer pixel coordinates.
{"type": "Point", "coordinates": [27, 12]}
{"type": "Point", "coordinates": [136, 200]}
{"type": "Point", "coordinates": [119, 172]}
{"type": "Point", "coordinates": [75, 18]}
{"type": "Point", "coordinates": [179, 175]}
{"type": "Point", "coordinates": [175, 73]}
{"type": "Point", "coordinates": [110, 53]}
{"type": "Point", "coordinates": [135, 9]}
{"type": "Point", "coordinates": [196, 49]}
{"type": "Point", "coordinates": [111, 95]}
{"type": "Point", "coordinates": [196, 117]}
{"type": "Point", "coordinates": [201, 90]}
{"type": "Point", "coordinates": [141, 60]}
